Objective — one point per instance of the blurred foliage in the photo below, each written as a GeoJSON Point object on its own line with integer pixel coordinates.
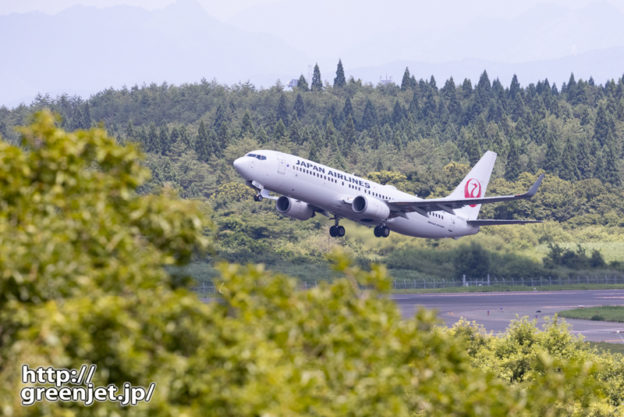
{"type": "Point", "coordinates": [82, 259]}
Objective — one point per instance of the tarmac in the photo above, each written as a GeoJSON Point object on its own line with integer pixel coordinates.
{"type": "Point", "coordinates": [495, 310]}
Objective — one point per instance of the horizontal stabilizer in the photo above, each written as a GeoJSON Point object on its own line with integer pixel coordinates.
{"type": "Point", "coordinates": [496, 222]}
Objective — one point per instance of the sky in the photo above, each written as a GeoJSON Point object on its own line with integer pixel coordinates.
{"type": "Point", "coordinates": [375, 40]}
{"type": "Point", "coordinates": [226, 9]}
{"type": "Point", "coordinates": [219, 9]}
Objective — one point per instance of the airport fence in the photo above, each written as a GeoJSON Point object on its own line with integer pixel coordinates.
{"type": "Point", "coordinates": [207, 287]}
{"type": "Point", "coordinates": [510, 282]}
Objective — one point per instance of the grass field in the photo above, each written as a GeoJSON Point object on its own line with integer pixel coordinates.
{"type": "Point", "coordinates": [608, 347]}
{"type": "Point", "coordinates": [604, 313]}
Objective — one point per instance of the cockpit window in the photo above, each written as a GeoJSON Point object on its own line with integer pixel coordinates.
{"type": "Point", "coordinates": [260, 157]}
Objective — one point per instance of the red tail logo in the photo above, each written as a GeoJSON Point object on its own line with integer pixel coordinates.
{"type": "Point", "coordinates": [472, 189]}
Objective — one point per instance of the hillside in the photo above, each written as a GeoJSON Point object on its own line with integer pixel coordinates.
{"type": "Point", "coordinates": [419, 135]}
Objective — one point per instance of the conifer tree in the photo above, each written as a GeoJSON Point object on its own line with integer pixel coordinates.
{"type": "Point", "coordinates": [347, 110]}
{"type": "Point", "coordinates": [608, 170]}
{"type": "Point", "coordinates": [203, 144]}
{"type": "Point", "coordinates": [552, 162]}
{"type": "Point", "coordinates": [282, 111]}
{"type": "Point", "coordinates": [299, 107]}
{"type": "Point", "coordinates": [315, 148]}
{"type": "Point", "coordinates": [514, 88]}
{"type": "Point", "coordinates": [369, 117]}
{"type": "Point", "coordinates": [317, 83]}
{"type": "Point", "coordinates": [569, 164]}
{"type": "Point", "coordinates": [302, 84]}
{"type": "Point", "coordinates": [466, 89]}
{"type": "Point", "coordinates": [432, 83]}
{"type": "Point", "coordinates": [397, 112]}
{"type": "Point", "coordinates": [246, 125]}
{"type": "Point", "coordinates": [220, 117]}
{"type": "Point", "coordinates": [130, 133]}
{"type": "Point", "coordinates": [348, 131]}
{"type": "Point", "coordinates": [86, 122]}
{"type": "Point", "coordinates": [512, 168]}
{"type": "Point", "coordinates": [151, 144]}
{"type": "Point", "coordinates": [603, 132]}
{"type": "Point", "coordinates": [280, 131]}
{"type": "Point", "coordinates": [340, 80]}
{"type": "Point", "coordinates": [406, 82]}
{"type": "Point", "coordinates": [429, 107]}
{"type": "Point", "coordinates": [294, 132]}
{"type": "Point", "coordinates": [473, 149]}
{"type": "Point", "coordinates": [585, 159]}
{"type": "Point", "coordinates": [415, 109]}
{"type": "Point", "coordinates": [163, 140]}
{"type": "Point", "coordinates": [571, 89]}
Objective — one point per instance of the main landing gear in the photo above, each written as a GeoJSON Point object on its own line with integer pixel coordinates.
{"type": "Point", "coordinates": [336, 230]}
{"type": "Point", "coordinates": [258, 197]}
{"type": "Point", "coordinates": [382, 231]}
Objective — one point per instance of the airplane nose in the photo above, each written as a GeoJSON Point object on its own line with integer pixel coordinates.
{"type": "Point", "coordinates": [241, 165]}
{"type": "Point", "coordinates": [238, 163]}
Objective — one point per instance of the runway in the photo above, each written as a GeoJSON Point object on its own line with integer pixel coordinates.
{"type": "Point", "coordinates": [495, 310]}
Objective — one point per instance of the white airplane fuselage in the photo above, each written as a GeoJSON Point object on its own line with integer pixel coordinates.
{"type": "Point", "coordinates": [330, 190]}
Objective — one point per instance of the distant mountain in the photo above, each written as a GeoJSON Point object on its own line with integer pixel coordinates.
{"type": "Point", "coordinates": [84, 49]}
{"type": "Point", "coordinates": [432, 32]}
{"type": "Point", "coordinates": [601, 65]}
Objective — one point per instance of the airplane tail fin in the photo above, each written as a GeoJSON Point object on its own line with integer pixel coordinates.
{"type": "Point", "coordinates": [474, 185]}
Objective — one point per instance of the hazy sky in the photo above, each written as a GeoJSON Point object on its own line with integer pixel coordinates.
{"type": "Point", "coordinates": [534, 39]}
{"type": "Point", "coordinates": [224, 9]}
{"type": "Point", "coordinates": [220, 9]}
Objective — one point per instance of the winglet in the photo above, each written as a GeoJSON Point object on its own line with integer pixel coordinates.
{"type": "Point", "coordinates": [534, 187]}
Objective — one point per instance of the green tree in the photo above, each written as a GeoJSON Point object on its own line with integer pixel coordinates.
{"type": "Point", "coordinates": [603, 128]}
{"type": "Point", "coordinates": [472, 261]}
{"type": "Point", "coordinates": [164, 142]}
{"type": "Point", "coordinates": [406, 82]}
{"type": "Point", "coordinates": [246, 125]}
{"type": "Point", "coordinates": [204, 144]}
{"type": "Point", "coordinates": [512, 168]}
{"type": "Point", "coordinates": [369, 116]}
{"type": "Point", "coordinates": [302, 84]}
{"type": "Point", "coordinates": [281, 113]}
{"type": "Point", "coordinates": [94, 252]}
{"type": "Point", "coordinates": [397, 112]}
{"type": "Point", "coordinates": [299, 107]}
{"type": "Point", "coordinates": [347, 110]}
{"type": "Point", "coordinates": [569, 164]}
{"type": "Point", "coordinates": [339, 80]}
{"type": "Point", "coordinates": [317, 83]}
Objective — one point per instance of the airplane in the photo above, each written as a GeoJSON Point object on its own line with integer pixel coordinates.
{"type": "Point", "coordinates": [307, 188]}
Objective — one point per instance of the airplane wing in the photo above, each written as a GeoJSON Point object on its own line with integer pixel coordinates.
{"type": "Point", "coordinates": [446, 204]}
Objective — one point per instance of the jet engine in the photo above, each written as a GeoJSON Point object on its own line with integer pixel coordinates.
{"type": "Point", "coordinates": [371, 209]}
{"type": "Point", "coordinates": [293, 208]}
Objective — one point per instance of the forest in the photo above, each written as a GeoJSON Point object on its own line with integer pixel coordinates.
{"type": "Point", "coordinates": [416, 135]}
